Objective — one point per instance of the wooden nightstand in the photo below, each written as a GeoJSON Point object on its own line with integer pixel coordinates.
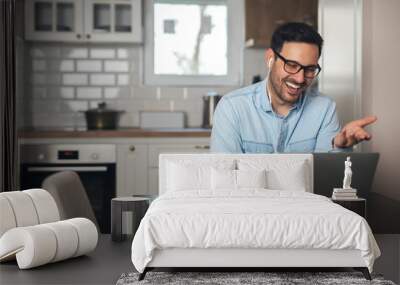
{"type": "Point", "coordinates": [358, 206]}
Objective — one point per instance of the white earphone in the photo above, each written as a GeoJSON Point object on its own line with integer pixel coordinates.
{"type": "Point", "coordinates": [270, 63]}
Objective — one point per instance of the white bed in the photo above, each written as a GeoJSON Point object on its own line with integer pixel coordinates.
{"type": "Point", "coordinates": [202, 220]}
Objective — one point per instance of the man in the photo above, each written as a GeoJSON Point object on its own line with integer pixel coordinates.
{"type": "Point", "coordinates": [281, 114]}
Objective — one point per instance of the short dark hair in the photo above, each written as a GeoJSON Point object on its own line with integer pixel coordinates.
{"type": "Point", "coordinates": [295, 32]}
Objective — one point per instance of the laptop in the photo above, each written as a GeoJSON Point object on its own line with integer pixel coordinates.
{"type": "Point", "coordinates": [329, 172]}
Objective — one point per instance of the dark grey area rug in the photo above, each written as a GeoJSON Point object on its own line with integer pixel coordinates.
{"type": "Point", "coordinates": [232, 278]}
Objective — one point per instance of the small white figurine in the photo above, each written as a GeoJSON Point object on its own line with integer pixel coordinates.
{"type": "Point", "coordinates": [347, 174]}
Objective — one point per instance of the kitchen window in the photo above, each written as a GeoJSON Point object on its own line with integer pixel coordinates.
{"type": "Point", "coordinates": [194, 42]}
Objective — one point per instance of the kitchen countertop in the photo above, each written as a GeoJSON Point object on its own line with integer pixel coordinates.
{"type": "Point", "coordinates": [119, 133]}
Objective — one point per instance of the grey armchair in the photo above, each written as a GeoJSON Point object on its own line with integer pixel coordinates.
{"type": "Point", "coordinates": [70, 196]}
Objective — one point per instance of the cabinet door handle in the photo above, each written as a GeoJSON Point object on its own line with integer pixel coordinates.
{"type": "Point", "coordinates": [202, 147]}
{"type": "Point", "coordinates": [132, 148]}
{"type": "Point", "coordinates": [88, 36]}
{"type": "Point", "coordinates": [78, 36]}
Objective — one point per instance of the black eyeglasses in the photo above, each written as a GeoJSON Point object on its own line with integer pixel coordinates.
{"type": "Point", "coordinates": [292, 67]}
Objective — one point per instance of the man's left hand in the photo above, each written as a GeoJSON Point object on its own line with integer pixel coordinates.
{"type": "Point", "coordinates": [353, 132]}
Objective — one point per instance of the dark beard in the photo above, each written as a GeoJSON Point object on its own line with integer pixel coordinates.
{"type": "Point", "coordinates": [277, 91]}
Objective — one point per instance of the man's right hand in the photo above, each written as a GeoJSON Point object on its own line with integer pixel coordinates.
{"type": "Point", "coordinates": [353, 132]}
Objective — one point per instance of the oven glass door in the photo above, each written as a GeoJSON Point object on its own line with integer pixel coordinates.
{"type": "Point", "coordinates": [98, 179]}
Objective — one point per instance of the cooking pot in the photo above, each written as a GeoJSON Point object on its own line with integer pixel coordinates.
{"type": "Point", "coordinates": [101, 118]}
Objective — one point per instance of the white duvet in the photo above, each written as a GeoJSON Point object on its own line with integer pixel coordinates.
{"type": "Point", "coordinates": [251, 218]}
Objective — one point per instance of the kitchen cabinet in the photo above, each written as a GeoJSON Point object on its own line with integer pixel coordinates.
{"type": "Point", "coordinates": [137, 162]}
{"type": "Point", "coordinates": [264, 16]}
{"type": "Point", "coordinates": [84, 20]}
{"type": "Point", "coordinates": [132, 169]}
{"type": "Point", "coordinates": [53, 20]}
{"type": "Point", "coordinates": [156, 149]}
{"type": "Point", "coordinates": [115, 21]}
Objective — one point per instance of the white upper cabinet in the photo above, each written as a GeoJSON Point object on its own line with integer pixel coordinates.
{"type": "Point", "coordinates": [84, 20]}
{"type": "Point", "coordinates": [48, 20]}
{"type": "Point", "coordinates": [117, 21]}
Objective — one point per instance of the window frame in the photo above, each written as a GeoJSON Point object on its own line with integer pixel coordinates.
{"type": "Point", "coordinates": [235, 46]}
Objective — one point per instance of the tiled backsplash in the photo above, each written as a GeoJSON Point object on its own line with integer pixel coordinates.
{"type": "Point", "coordinates": [64, 79]}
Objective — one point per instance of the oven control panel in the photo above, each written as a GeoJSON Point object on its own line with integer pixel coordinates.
{"type": "Point", "coordinates": [73, 153]}
{"type": "Point", "coordinates": [68, 154]}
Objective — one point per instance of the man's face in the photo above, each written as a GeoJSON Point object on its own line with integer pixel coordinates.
{"type": "Point", "coordinates": [288, 87]}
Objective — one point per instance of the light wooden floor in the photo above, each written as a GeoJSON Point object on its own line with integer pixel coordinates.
{"type": "Point", "coordinates": [110, 260]}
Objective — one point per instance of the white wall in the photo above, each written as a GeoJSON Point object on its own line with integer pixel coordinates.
{"type": "Point", "coordinates": [340, 26]}
{"type": "Point", "coordinates": [62, 80]}
{"type": "Point", "coordinates": [381, 91]}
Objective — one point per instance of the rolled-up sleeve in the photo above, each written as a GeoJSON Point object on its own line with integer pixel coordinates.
{"type": "Point", "coordinates": [225, 135]}
{"type": "Point", "coordinates": [329, 129]}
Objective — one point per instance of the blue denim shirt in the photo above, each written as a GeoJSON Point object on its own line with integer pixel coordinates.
{"type": "Point", "coordinates": [244, 122]}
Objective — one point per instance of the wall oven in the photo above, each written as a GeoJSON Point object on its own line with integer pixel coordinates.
{"type": "Point", "coordinates": [94, 163]}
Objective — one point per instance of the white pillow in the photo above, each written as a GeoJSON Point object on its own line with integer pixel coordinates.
{"type": "Point", "coordinates": [186, 177]}
{"type": "Point", "coordinates": [293, 178]}
{"type": "Point", "coordinates": [223, 179]}
{"type": "Point", "coordinates": [281, 174]}
{"type": "Point", "coordinates": [237, 179]}
{"type": "Point", "coordinates": [251, 178]}
{"type": "Point", "coordinates": [189, 174]}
